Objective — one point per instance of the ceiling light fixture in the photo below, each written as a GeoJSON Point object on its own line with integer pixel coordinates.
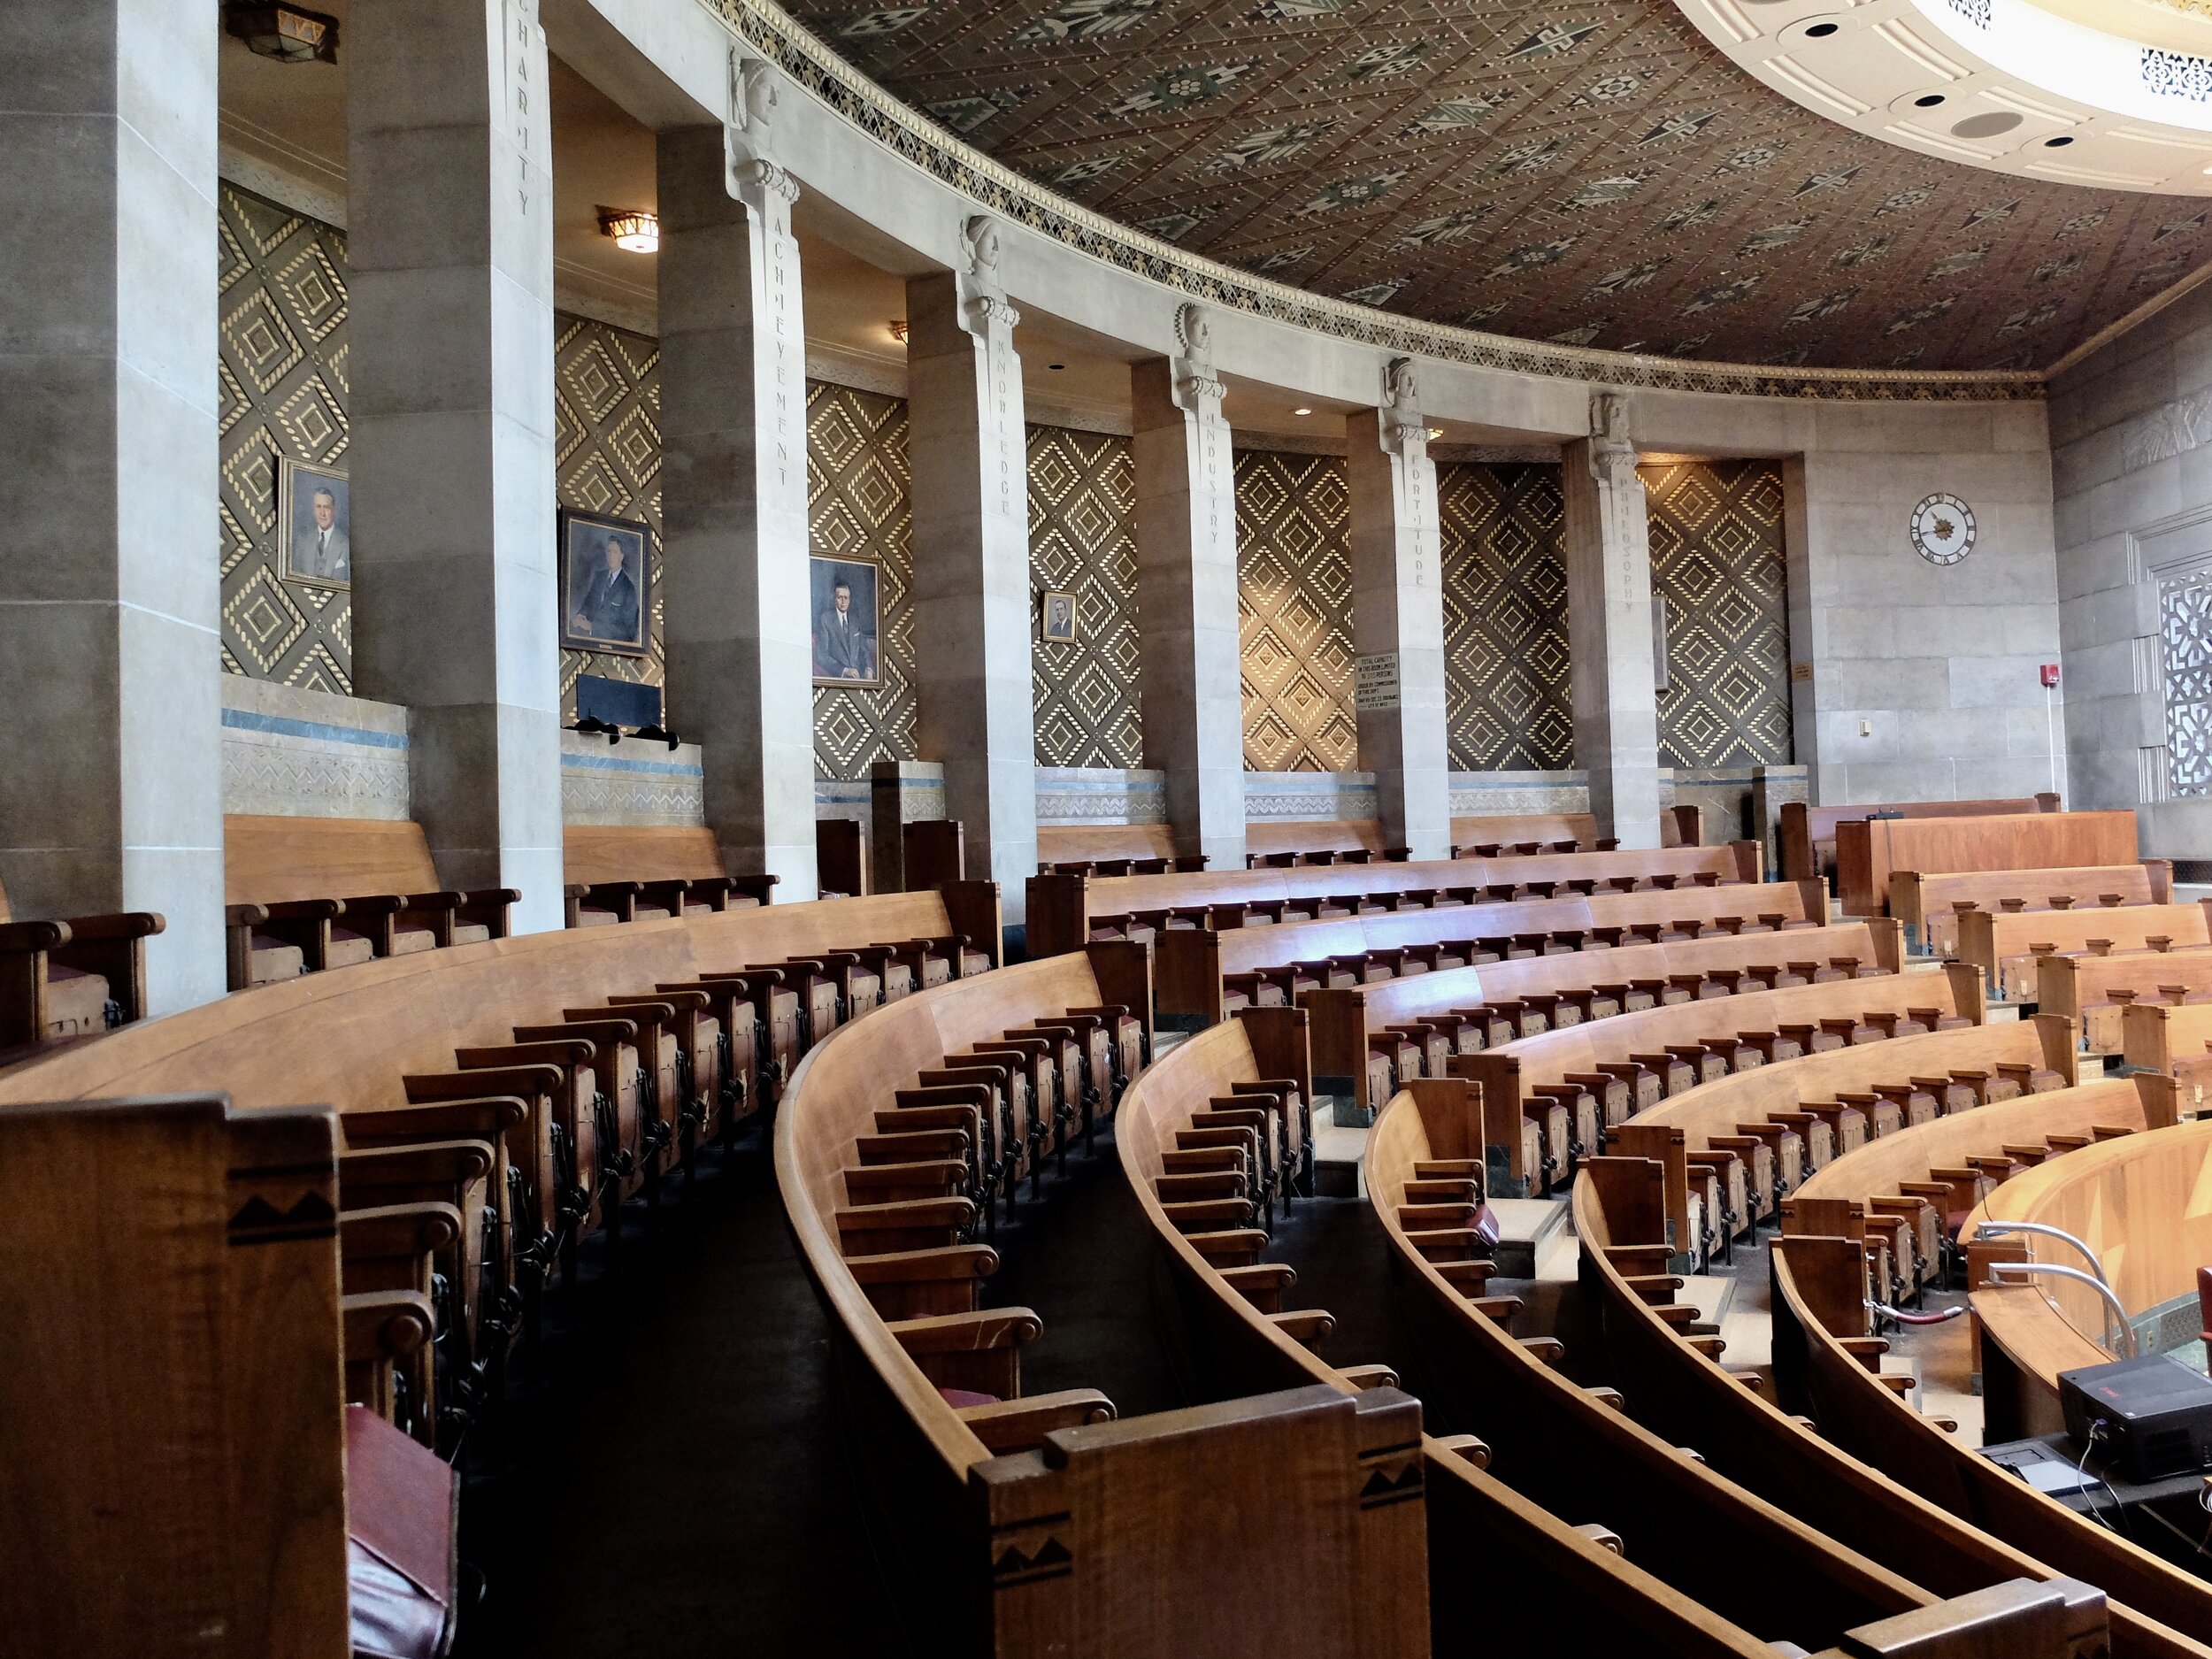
{"type": "Point", "coordinates": [285, 32]}
{"type": "Point", "coordinates": [633, 232]}
{"type": "Point", "coordinates": [1301, 411]}
{"type": "Point", "coordinates": [898, 327]}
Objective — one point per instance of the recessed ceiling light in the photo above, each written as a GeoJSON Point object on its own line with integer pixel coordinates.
{"type": "Point", "coordinates": [1301, 411]}
{"type": "Point", "coordinates": [632, 231]}
{"type": "Point", "coordinates": [1927, 101]}
{"type": "Point", "coordinates": [2060, 142]}
{"type": "Point", "coordinates": [1822, 31]}
{"type": "Point", "coordinates": [1056, 365]}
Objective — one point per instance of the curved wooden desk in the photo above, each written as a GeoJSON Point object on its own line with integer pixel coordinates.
{"type": "Point", "coordinates": [2136, 1202]}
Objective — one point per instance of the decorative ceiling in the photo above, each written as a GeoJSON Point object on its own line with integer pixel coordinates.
{"type": "Point", "coordinates": [1595, 174]}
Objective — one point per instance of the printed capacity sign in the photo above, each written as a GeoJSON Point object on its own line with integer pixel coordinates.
{"type": "Point", "coordinates": [1375, 687]}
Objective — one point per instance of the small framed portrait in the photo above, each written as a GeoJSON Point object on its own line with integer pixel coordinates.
{"type": "Point", "coordinates": [1055, 617]}
{"type": "Point", "coordinates": [606, 584]}
{"type": "Point", "coordinates": [314, 525]}
{"type": "Point", "coordinates": [845, 595]}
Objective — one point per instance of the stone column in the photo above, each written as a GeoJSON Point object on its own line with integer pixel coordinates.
{"type": "Point", "coordinates": [449, 242]}
{"type": "Point", "coordinates": [733, 492]}
{"type": "Point", "coordinates": [1398, 617]}
{"type": "Point", "coordinates": [969, 452]}
{"type": "Point", "coordinates": [1189, 669]}
{"type": "Point", "coordinates": [110, 759]}
{"type": "Point", "coordinates": [1607, 545]}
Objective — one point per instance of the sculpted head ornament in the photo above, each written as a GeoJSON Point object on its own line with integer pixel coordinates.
{"type": "Point", "coordinates": [980, 236]}
{"type": "Point", "coordinates": [1193, 332]}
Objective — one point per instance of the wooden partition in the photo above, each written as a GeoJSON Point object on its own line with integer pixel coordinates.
{"type": "Point", "coordinates": [1927, 905]}
{"type": "Point", "coordinates": [2006, 948]}
{"type": "Point", "coordinates": [1869, 851]}
{"type": "Point", "coordinates": [1061, 907]}
{"type": "Point", "coordinates": [2095, 991]}
{"type": "Point", "coordinates": [840, 857]}
{"type": "Point", "coordinates": [1937, 1512]}
{"type": "Point", "coordinates": [172, 1424]}
{"type": "Point", "coordinates": [2170, 1038]}
{"type": "Point", "coordinates": [1060, 844]}
{"type": "Point", "coordinates": [1116, 1539]}
{"type": "Point", "coordinates": [1808, 832]}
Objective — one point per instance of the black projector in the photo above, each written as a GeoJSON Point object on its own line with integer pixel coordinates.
{"type": "Point", "coordinates": [2157, 1414]}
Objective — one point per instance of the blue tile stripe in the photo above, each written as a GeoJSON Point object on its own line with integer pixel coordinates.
{"type": "Point", "coordinates": [616, 762]}
{"type": "Point", "coordinates": [284, 726]}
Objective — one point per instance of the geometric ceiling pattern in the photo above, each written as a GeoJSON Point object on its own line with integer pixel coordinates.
{"type": "Point", "coordinates": [1082, 530]}
{"type": "Point", "coordinates": [1593, 172]}
{"type": "Point", "coordinates": [280, 379]}
{"type": "Point", "coordinates": [607, 460]}
{"type": "Point", "coordinates": [1717, 561]}
{"type": "Point", "coordinates": [1294, 612]}
{"type": "Point", "coordinates": [1507, 706]}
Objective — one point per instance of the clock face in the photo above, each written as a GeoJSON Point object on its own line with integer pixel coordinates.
{"type": "Point", "coordinates": [1943, 529]}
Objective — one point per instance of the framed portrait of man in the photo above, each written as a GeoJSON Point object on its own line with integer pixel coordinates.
{"type": "Point", "coordinates": [1055, 617]}
{"type": "Point", "coordinates": [314, 525]}
{"type": "Point", "coordinates": [845, 598]}
{"type": "Point", "coordinates": [606, 583]}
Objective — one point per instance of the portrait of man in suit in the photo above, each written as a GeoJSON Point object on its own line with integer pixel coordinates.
{"type": "Point", "coordinates": [312, 513]}
{"type": "Point", "coordinates": [1057, 622]}
{"type": "Point", "coordinates": [606, 604]}
{"type": "Point", "coordinates": [844, 594]}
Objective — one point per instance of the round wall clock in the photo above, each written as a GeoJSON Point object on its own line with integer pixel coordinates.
{"type": "Point", "coordinates": [1943, 529]}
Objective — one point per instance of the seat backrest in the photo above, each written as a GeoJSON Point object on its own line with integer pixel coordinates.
{"type": "Point", "coordinates": [1511, 829]}
{"type": "Point", "coordinates": [593, 853]}
{"type": "Point", "coordinates": [1089, 843]}
{"type": "Point", "coordinates": [273, 860]}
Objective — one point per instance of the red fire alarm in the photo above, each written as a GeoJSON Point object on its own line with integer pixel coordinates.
{"type": "Point", "coordinates": [2050, 673]}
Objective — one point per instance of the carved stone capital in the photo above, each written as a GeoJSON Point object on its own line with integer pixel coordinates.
{"type": "Point", "coordinates": [769, 179]}
{"type": "Point", "coordinates": [1612, 455]}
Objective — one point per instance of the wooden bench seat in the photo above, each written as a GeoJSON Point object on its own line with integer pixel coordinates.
{"type": "Point", "coordinates": [1929, 905]}
{"type": "Point", "coordinates": [1067, 910]}
{"type": "Point", "coordinates": [1869, 852]}
{"type": "Point", "coordinates": [1110, 849]}
{"type": "Point", "coordinates": [1461, 1010]}
{"type": "Point", "coordinates": [1280, 844]}
{"type": "Point", "coordinates": [70, 979]}
{"type": "Point", "coordinates": [1912, 1514]}
{"type": "Point", "coordinates": [1808, 832]}
{"type": "Point", "coordinates": [648, 874]}
{"type": "Point", "coordinates": [2009, 948]}
{"type": "Point", "coordinates": [1629, 1063]}
{"type": "Point", "coordinates": [304, 894]}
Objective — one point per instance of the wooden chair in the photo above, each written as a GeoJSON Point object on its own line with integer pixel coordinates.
{"type": "Point", "coordinates": [73, 979]}
{"type": "Point", "coordinates": [303, 895]}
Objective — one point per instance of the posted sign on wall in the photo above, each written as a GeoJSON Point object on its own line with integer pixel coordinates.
{"type": "Point", "coordinates": [1375, 687]}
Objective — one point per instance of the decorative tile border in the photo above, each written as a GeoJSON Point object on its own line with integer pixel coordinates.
{"type": "Point", "coordinates": [1100, 794]}
{"type": "Point", "coordinates": [1301, 797]}
{"type": "Point", "coordinates": [765, 28]}
{"type": "Point", "coordinates": [289, 752]}
{"type": "Point", "coordinates": [651, 788]}
{"type": "Point", "coordinates": [1503, 793]}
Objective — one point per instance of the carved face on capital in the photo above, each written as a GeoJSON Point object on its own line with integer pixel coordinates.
{"type": "Point", "coordinates": [982, 237]}
{"type": "Point", "coordinates": [1405, 390]}
{"type": "Point", "coordinates": [1197, 334]}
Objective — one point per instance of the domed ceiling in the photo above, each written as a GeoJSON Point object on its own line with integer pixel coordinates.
{"type": "Point", "coordinates": [1594, 174]}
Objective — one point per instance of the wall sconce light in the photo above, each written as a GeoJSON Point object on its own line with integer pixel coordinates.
{"type": "Point", "coordinates": [898, 327]}
{"type": "Point", "coordinates": [286, 34]}
{"type": "Point", "coordinates": [632, 232]}
{"type": "Point", "coordinates": [1435, 433]}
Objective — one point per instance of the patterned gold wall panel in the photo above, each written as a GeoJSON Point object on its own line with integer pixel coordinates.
{"type": "Point", "coordinates": [1082, 527]}
{"type": "Point", "coordinates": [1716, 558]}
{"type": "Point", "coordinates": [859, 505]}
{"type": "Point", "coordinates": [607, 459]}
{"type": "Point", "coordinates": [1508, 705]}
{"type": "Point", "coordinates": [281, 378]}
{"type": "Point", "coordinates": [1294, 612]}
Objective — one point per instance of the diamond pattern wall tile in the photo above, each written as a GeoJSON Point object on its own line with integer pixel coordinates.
{"type": "Point", "coordinates": [607, 459]}
{"type": "Point", "coordinates": [1717, 560]}
{"type": "Point", "coordinates": [1082, 519]}
{"type": "Point", "coordinates": [859, 505]}
{"type": "Point", "coordinates": [1507, 705]}
{"type": "Point", "coordinates": [281, 380]}
{"type": "Point", "coordinates": [1294, 612]}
